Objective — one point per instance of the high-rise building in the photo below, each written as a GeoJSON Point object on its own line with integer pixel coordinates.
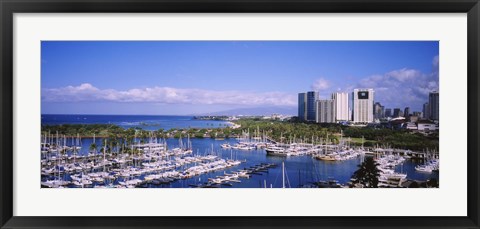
{"type": "Point", "coordinates": [326, 111]}
{"type": "Point", "coordinates": [312, 97]}
{"type": "Point", "coordinates": [406, 112]}
{"type": "Point", "coordinates": [378, 111]}
{"type": "Point", "coordinates": [433, 100]}
{"type": "Point", "coordinates": [426, 111]}
{"type": "Point", "coordinates": [306, 106]}
{"type": "Point", "coordinates": [396, 112]}
{"type": "Point", "coordinates": [302, 98]}
{"type": "Point", "coordinates": [363, 105]}
{"type": "Point", "coordinates": [388, 112]}
{"type": "Point", "coordinates": [341, 106]}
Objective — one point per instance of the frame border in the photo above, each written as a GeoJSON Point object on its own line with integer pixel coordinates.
{"type": "Point", "coordinates": [9, 7]}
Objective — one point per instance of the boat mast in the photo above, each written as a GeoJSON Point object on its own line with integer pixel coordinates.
{"type": "Point", "coordinates": [363, 140]}
{"type": "Point", "coordinates": [104, 148]}
{"type": "Point", "coordinates": [283, 174]}
{"type": "Point", "coordinates": [180, 142]}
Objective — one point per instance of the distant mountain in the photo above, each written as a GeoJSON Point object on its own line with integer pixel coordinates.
{"type": "Point", "coordinates": [256, 111]}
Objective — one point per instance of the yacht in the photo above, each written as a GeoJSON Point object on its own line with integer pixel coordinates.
{"type": "Point", "coordinates": [326, 157]}
{"type": "Point", "coordinates": [424, 168]}
{"type": "Point", "coordinates": [277, 151]}
{"type": "Point", "coordinates": [226, 146]}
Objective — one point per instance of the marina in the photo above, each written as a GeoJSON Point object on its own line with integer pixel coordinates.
{"type": "Point", "coordinates": [244, 162]}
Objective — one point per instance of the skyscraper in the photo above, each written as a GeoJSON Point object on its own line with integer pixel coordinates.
{"type": "Point", "coordinates": [388, 112]}
{"type": "Point", "coordinates": [378, 111]}
{"type": "Point", "coordinates": [396, 112]}
{"type": "Point", "coordinates": [363, 105]}
{"type": "Point", "coordinates": [341, 106]}
{"type": "Point", "coordinates": [406, 112]}
{"type": "Point", "coordinates": [307, 106]}
{"type": "Point", "coordinates": [302, 98]}
{"type": "Point", "coordinates": [426, 111]}
{"type": "Point", "coordinates": [433, 100]}
{"type": "Point", "coordinates": [312, 97]}
{"type": "Point", "coordinates": [326, 111]}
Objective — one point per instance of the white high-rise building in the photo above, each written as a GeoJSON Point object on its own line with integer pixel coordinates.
{"type": "Point", "coordinates": [325, 111]}
{"type": "Point", "coordinates": [341, 106]}
{"type": "Point", "coordinates": [363, 105]}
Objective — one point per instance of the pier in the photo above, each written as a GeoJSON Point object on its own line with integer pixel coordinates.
{"type": "Point", "coordinates": [154, 163]}
{"type": "Point", "coordinates": [403, 153]}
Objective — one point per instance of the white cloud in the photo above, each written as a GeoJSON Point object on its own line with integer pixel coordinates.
{"type": "Point", "coordinates": [320, 84]}
{"type": "Point", "coordinates": [435, 61]}
{"type": "Point", "coordinates": [404, 74]}
{"type": "Point", "coordinates": [166, 95]}
{"type": "Point", "coordinates": [403, 87]}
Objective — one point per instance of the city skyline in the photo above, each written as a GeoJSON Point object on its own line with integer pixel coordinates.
{"type": "Point", "coordinates": [197, 77]}
{"type": "Point", "coordinates": [362, 108]}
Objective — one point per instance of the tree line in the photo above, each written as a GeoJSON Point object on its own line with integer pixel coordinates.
{"type": "Point", "coordinates": [277, 130]}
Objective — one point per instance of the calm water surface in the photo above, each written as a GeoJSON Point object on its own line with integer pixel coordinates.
{"type": "Point", "coordinates": [146, 122]}
{"type": "Point", "coordinates": [300, 170]}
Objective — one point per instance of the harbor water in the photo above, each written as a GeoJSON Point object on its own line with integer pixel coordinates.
{"type": "Point", "coordinates": [299, 170]}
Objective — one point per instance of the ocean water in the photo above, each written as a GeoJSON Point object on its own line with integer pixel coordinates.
{"type": "Point", "coordinates": [146, 122]}
{"type": "Point", "coordinates": [299, 170]}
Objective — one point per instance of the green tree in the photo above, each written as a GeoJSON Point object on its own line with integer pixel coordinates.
{"type": "Point", "coordinates": [93, 147]}
{"type": "Point", "coordinates": [432, 183]}
{"type": "Point", "coordinates": [414, 185]}
{"type": "Point", "coordinates": [367, 174]}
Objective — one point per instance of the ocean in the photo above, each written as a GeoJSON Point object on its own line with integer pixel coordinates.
{"type": "Point", "coordinates": [146, 122]}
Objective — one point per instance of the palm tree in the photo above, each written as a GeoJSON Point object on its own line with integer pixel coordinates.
{"type": "Point", "coordinates": [414, 185]}
{"type": "Point", "coordinates": [367, 174]}
{"type": "Point", "coordinates": [93, 147]}
{"type": "Point", "coordinates": [106, 145]}
{"type": "Point", "coordinates": [433, 183]}
{"type": "Point", "coordinates": [113, 143]}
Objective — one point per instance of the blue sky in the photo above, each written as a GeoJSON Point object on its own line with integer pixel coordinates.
{"type": "Point", "coordinates": [195, 77]}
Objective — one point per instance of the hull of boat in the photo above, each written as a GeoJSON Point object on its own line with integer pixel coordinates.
{"type": "Point", "coordinates": [275, 153]}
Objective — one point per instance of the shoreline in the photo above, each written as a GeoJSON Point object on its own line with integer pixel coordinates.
{"type": "Point", "coordinates": [233, 125]}
{"type": "Point", "coordinates": [101, 136]}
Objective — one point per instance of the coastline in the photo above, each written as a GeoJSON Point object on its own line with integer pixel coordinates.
{"type": "Point", "coordinates": [234, 125]}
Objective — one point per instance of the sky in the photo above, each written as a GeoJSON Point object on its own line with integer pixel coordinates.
{"type": "Point", "coordinates": [200, 77]}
